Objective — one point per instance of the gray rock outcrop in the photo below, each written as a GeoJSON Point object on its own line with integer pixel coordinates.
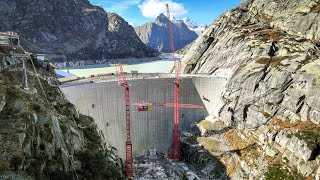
{"type": "Point", "coordinates": [156, 34]}
{"type": "Point", "coordinates": [41, 140]}
{"type": "Point", "coordinates": [270, 52]}
{"type": "Point", "coordinates": [271, 47]}
{"type": "Point", "coordinates": [70, 30]}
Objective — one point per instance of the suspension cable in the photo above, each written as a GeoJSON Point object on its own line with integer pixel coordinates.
{"type": "Point", "coordinates": [35, 71]}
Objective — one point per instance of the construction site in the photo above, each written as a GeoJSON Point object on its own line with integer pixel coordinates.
{"type": "Point", "coordinates": [94, 99]}
{"type": "Point", "coordinates": [153, 128]}
{"type": "Point", "coordinates": [142, 115]}
{"type": "Point", "coordinates": [151, 123]}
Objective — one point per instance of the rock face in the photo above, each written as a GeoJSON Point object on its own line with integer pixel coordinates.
{"type": "Point", "coordinates": [41, 140]}
{"type": "Point", "coordinates": [272, 151]}
{"type": "Point", "coordinates": [273, 56]}
{"type": "Point", "coordinates": [70, 29]}
{"type": "Point", "coordinates": [156, 34]}
{"type": "Point", "coordinates": [271, 51]}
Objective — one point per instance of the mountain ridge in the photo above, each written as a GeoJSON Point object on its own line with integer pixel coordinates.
{"type": "Point", "coordinates": [156, 34]}
{"type": "Point", "coordinates": [70, 30]}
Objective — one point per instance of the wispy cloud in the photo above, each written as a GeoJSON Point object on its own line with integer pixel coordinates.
{"type": "Point", "coordinates": [117, 6]}
{"type": "Point", "coordinates": [152, 8]}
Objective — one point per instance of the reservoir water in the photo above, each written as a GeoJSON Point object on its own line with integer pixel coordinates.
{"type": "Point", "coordinates": [161, 64]}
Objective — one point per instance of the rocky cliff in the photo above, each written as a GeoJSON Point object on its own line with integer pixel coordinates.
{"type": "Point", "coordinates": [156, 34]}
{"type": "Point", "coordinates": [70, 29]}
{"type": "Point", "coordinates": [270, 53]}
{"type": "Point", "coordinates": [48, 140]}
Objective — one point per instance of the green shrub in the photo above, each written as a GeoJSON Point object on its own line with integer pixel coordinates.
{"type": "Point", "coordinates": [277, 172]}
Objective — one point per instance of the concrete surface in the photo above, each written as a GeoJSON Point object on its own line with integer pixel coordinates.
{"type": "Point", "coordinates": [104, 101]}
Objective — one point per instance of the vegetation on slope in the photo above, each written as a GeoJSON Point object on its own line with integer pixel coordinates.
{"type": "Point", "coordinates": [276, 172]}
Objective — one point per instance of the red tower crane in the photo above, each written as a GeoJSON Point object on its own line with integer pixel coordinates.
{"type": "Point", "coordinates": [176, 133]}
{"type": "Point", "coordinates": [175, 153]}
{"type": "Point", "coordinates": [122, 82]}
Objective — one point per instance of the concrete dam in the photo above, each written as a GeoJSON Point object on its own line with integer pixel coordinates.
{"type": "Point", "coordinates": [104, 101]}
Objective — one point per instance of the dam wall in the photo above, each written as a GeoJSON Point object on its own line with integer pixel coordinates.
{"type": "Point", "coordinates": [104, 101]}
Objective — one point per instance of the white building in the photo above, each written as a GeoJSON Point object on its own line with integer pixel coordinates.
{"type": "Point", "coordinates": [9, 39]}
{"type": "Point", "coordinates": [40, 57]}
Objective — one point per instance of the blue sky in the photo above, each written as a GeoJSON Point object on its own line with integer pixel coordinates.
{"type": "Point", "coordinates": [142, 11]}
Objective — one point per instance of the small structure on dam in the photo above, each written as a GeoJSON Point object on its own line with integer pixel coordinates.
{"type": "Point", "coordinates": [103, 99]}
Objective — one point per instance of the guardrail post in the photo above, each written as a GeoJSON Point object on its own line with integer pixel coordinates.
{"type": "Point", "coordinates": [25, 77]}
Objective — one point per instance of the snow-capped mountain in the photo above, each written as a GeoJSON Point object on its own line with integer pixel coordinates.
{"type": "Point", "coordinates": [192, 25]}
{"type": "Point", "coordinates": [200, 29]}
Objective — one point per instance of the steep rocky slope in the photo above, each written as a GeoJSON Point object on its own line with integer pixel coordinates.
{"type": "Point", "coordinates": [272, 152]}
{"type": "Point", "coordinates": [274, 71]}
{"type": "Point", "coordinates": [41, 140]}
{"type": "Point", "coordinates": [70, 29]}
{"type": "Point", "coordinates": [184, 50]}
{"type": "Point", "coordinates": [270, 51]}
{"type": "Point", "coordinates": [156, 34]}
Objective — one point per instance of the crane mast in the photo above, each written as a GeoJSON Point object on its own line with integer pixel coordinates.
{"type": "Point", "coordinates": [144, 106]}
{"type": "Point", "coordinates": [122, 82]}
{"type": "Point", "coordinates": [176, 132]}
